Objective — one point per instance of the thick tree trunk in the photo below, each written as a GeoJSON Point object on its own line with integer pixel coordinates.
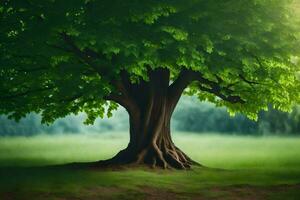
{"type": "Point", "coordinates": [150, 141]}
{"type": "Point", "coordinates": [150, 138]}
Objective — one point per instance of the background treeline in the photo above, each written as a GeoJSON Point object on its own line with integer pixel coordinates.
{"type": "Point", "coordinates": [205, 117]}
{"type": "Point", "coordinates": [190, 115]}
{"type": "Point", "coordinates": [31, 125]}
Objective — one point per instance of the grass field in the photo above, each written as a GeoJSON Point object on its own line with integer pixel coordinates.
{"type": "Point", "coordinates": [238, 168]}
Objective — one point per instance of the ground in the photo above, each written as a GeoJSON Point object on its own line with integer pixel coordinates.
{"type": "Point", "coordinates": [236, 168]}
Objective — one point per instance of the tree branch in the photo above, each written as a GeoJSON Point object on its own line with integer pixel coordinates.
{"type": "Point", "coordinates": [176, 89]}
{"type": "Point", "coordinates": [124, 101]}
{"type": "Point", "coordinates": [87, 55]}
{"type": "Point", "coordinates": [217, 92]}
{"type": "Point", "coordinates": [186, 77]}
{"type": "Point", "coordinates": [262, 66]}
{"type": "Point", "coordinates": [251, 83]}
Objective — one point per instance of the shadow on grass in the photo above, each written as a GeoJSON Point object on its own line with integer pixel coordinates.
{"type": "Point", "coordinates": [81, 181]}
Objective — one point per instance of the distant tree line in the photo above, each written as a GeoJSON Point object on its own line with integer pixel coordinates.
{"type": "Point", "coordinates": [31, 125]}
{"type": "Point", "coordinates": [190, 116]}
{"type": "Point", "coordinates": [205, 117]}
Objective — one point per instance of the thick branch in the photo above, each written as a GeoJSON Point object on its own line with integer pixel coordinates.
{"type": "Point", "coordinates": [88, 56]}
{"type": "Point", "coordinates": [124, 101]}
{"type": "Point", "coordinates": [176, 89]}
{"type": "Point", "coordinates": [76, 50]}
{"type": "Point", "coordinates": [217, 92]}
{"type": "Point", "coordinates": [123, 95]}
{"type": "Point", "coordinates": [138, 91]}
{"type": "Point", "coordinates": [223, 92]}
{"type": "Point", "coordinates": [188, 76]}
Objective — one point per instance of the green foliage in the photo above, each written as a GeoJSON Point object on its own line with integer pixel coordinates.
{"type": "Point", "coordinates": [251, 45]}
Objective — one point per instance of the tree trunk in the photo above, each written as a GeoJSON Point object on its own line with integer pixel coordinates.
{"type": "Point", "coordinates": [150, 105]}
{"type": "Point", "coordinates": [150, 141]}
{"type": "Point", "coordinates": [150, 138]}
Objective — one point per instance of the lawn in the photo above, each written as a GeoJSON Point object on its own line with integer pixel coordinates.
{"type": "Point", "coordinates": [236, 168]}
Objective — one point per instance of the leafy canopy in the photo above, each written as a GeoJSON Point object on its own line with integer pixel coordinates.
{"type": "Point", "coordinates": [60, 57]}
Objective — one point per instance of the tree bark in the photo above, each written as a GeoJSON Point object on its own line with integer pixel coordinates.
{"type": "Point", "coordinates": [150, 139]}
{"type": "Point", "coordinates": [150, 136]}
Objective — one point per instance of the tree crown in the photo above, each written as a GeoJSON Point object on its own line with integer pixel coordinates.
{"type": "Point", "coordinates": [62, 57]}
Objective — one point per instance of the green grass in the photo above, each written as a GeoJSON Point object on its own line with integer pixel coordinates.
{"type": "Point", "coordinates": [268, 167]}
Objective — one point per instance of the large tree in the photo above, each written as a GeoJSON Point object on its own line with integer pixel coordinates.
{"type": "Point", "coordinates": [60, 57]}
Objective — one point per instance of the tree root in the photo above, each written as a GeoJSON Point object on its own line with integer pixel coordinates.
{"type": "Point", "coordinates": [153, 156]}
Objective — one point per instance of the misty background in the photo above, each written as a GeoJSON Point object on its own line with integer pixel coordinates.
{"type": "Point", "coordinates": [191, 115]}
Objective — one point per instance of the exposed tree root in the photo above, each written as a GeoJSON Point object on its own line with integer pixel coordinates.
{"type": "Point", "coordinates": [152, 156]}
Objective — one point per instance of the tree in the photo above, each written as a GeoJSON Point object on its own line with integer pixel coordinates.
{"type": "Point", "coordinates": [62, 57]}
{"type": "Point", "coordinates": [190, 115]}
{"type": "Point", "coordinates": [280, 123]}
